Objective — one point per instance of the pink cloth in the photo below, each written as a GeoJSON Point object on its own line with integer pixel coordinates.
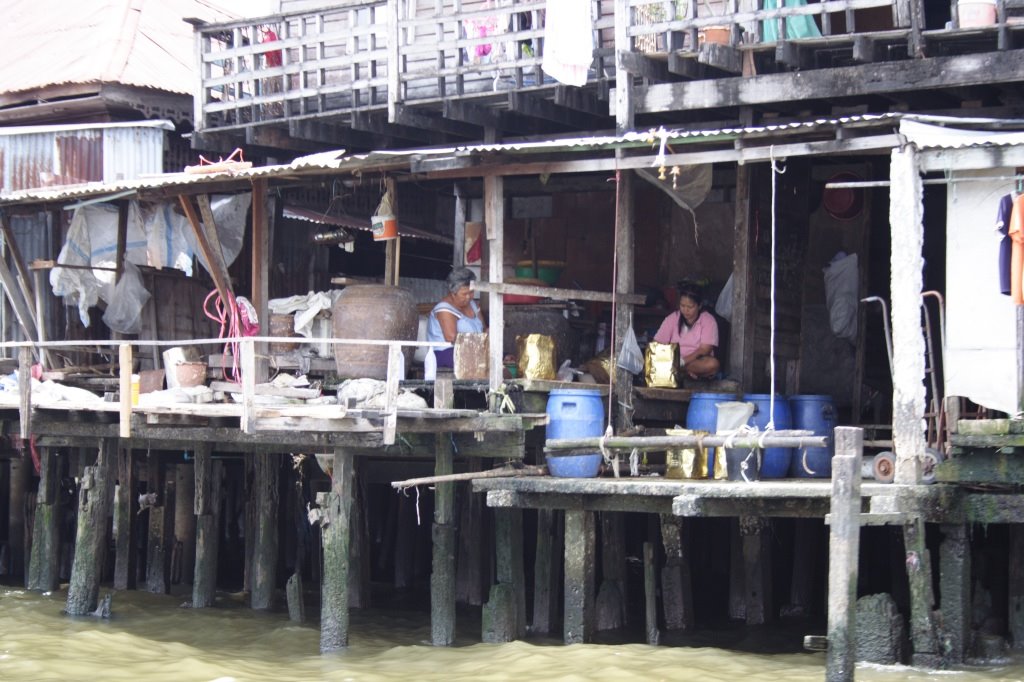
{"type": "Point", "coordinates": [703, 332]}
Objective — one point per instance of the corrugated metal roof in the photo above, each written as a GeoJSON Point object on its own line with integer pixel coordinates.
{"type": "Point", "coordinates": [358, 223]}
{"type": "Point", "coordinates": [930, 136]}
{"type": "Point", "coordinates": [141, 43]}
{"type": "Point", "coordinates": [45, 156]}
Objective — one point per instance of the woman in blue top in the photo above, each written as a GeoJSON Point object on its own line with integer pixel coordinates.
{"type": "Point", "coordinates": [456, 313]}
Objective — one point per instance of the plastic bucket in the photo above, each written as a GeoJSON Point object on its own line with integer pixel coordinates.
{"type": "Point", "coordinates": [815, 413]}
{"type": "Point", "coordinates": [971, 13]}
{"type": "Point", "coordinates": [575, 413]}
{"type": "Point", "coordinates": [383, 227]}
{"type": "Point", "coordinates": [702, 415]}
{"type": "Point", "coordinates": [774, 461]}
{"type": "Point", "coordinates": [743, 464]}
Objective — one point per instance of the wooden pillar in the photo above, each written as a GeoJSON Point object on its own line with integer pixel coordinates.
{"type": "Point", "coordinates": [923, 637]}
{"type": "Point", "coordinates": [184, 557]}
{"type": "Point", "coordinates": [265, 497]}
{"type": "Point", "coordinates": [42, 573]}
{"type": "Point", "coordinates": [494, 223]}
{"type": "Point", "coordinates": [578, 619]}
{"type": "Point", "coordinates": [262, 210]}
{"type": "Point", "coordinates": [335, 509]}
{"type": "Point", "coordinates": [469, 581]}
{"type": "Point", "coordinates": [624, 284]}
{"type": "Point", "coordinates": [612, 596]}
{"type": "Point", "coordinates": [405, 542]}
{"type": "Point", "coordinates": [94, 500]}
{"type": "Point", "coordinates": [741, 340]}
{"type": "Point", "coordinates": [1015, 589]}
{"type": "Point", "coordinates": [126, 507]}
{"type": "Point", "coordinates": [624, 109]}
{"type": "Point", "coordinates": [844, 550]}
{"type": "Point", "coordinates": [161, 527]}
{"type": "Point", "coordinates": [737, 574]}
{"type": "Point", "coordinates": [955, 590]}
{"type": "Point", "coordinates": [650, 596]}
{"type": "Point", "coordinates": [249, 514]}
{"type": "Point", "coordinates": [907, 264]}
{"type": "Point", "coordinates": [676, 583]}
{"type": "Point", "coordinates": [207, 510]}
{"type": "Point", "coordinates": [547, 560]}
{"type": "Point", "coordinates": [442, 579]}
{"type": "Point", "coordinates": [755, 532]}
{"type": "Point", "coordinates": [20, 472]}
{"type": "Point", "coordinates": [359, 593]}
{"type": "Point", "coordinates": [504, 614]}
{"type": "Point", "coordinates": [806, 547]}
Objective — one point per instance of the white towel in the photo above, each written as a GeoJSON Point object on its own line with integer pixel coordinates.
{"type": "Point", "coordinates": [568, 41]}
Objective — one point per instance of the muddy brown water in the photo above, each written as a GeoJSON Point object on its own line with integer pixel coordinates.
{"type": "Point", "coordinates": [150, 638]}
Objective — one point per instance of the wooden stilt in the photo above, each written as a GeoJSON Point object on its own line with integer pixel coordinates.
{"type": "Point", "coordinates": [955, 588]}
{"type": "Point", "coordinates": [184, 559]}
{"type": "Point", "coordinates": [504, 615]}
{"type": "Point", "coordinates": [17, 557]}
{"type": "Point", "coordinates": [250, 521]}
{"type": "Point", "coordinates": [293, 592]}
{"type": "Point", "coordinates": [207, 510]}
{"type": "Point", "coordinates": [359, 549]}
{"type": "Point", "coordinates": [335, 507]}
{"type": "Point", "coordinates": [650, 596]}
{"type": "Point", "coordinates": [442, 579]}
{"type": "Point", "coordinates": [265, 498]}
{"type": "Point", "coordinates": [578, 621]}
{"type": "Point", "coordinates": [612, 597]}
{"type": "Point", "coordinates": [1015, 588]}
{"type": "Point", "coordinates": [923, 638]}
{"type": "Point", "coordinates": [676, 584]}
{"type": "Point", "coordinates": [42, 573]}
{"type": "Point", "coordinates": [126, 505]}
{"type": "Point", "coordinates": [545, 573]}
{"type": "Point", "coordinates": [755, 533]}
{"type": "Point", "coordinates": [161, 527]}
{"type": "Point", "coordinates": [844, 550]}
{"type": "Point", "coordinates": [737, 574]}
{"type": "Point", "coordinates": [806, 542]}
{"type": "Point", "coordinates": [469, 581]}
{"type": "Point", "coordinates": [94, 501]}
{"type": "Point", "coordinates": [405, 542]}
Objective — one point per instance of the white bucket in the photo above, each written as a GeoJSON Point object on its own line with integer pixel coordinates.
{"type": "Point", "coordinates": [973, 13]}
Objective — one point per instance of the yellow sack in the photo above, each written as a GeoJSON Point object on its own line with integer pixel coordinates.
{"type": "Point", "coordinates": [686, 462]}
{"type": "Point", "coordinates": [661, 361]}
{"type": "Point", "coordinates": [536, 356]}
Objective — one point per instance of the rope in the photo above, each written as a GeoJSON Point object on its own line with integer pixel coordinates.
{"type": "Point", "coordinates": [505, 406]}
{"type": "Point", "coordinates": [227, 318]}
{"type": "Point", "coordinates": [612, 360]}
{"type": "Point", "coordinates": [776, 170]}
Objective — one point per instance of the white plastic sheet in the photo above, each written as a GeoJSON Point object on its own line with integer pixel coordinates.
{"type": "Point", "coordinates": [842, 288]}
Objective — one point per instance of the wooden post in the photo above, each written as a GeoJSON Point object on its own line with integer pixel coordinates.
{"type": "Point", "coordinates": [469, 581]}
{"type": "Point", "coordinates": [676, 584]}
{"type": "Point", "coordinates": [293, 594]}
{"type": "Point", "coordinates": [94, 499]}
{"type": "Point", "coordinates": [359, 551]}
{"type": "Point", "coordinates": [20, 474]}
{"type": "Point", "coordinates": [755, 532]}
{"type": "Point", "coordinates": [264, 561]}
{"type": "Point", "coordinates": [578, 619]}
{"type": "Point", "coordinates": [494, 217]}
{"type": "Point", "coordinates": [207, 509]}
{"type": "Point", "coordinates": [504, 614]}
{"type": "Point", "coordinates": [737, 573]}
{"type": "Point", "coordinates": [907, 264]}
{"type": "Point", "coordinates": [42, 571]}
{"type": "Point", "coordinates": [25, 392]}
{"type": "Point", "coordinates": [184, 560]}
{"type": "Point", "coordinates": [741, 339]}
{"type": "Point", "coordinates": [623, 86]}
{"type": "Point", "coordinates": [844, 549]}
{"type": "Point", "coordinates": [545, 573]}
{"type": "Point", "coordinates": [335, 507]}
{"type": "Point", "coordinates": [161, 527]}
{"type": "Point", "coordinates": [126, 506]}
{"type": "Point", "coordinates": [923, 638]}
{"type": "Point", "coordinates": [955, 588]}
{"type": "Point", "coordinates": [124, 369]}
{"type": "Point", "coordinates": [806, 546]}
{"type": "Point", "coordinates": [624, 284]}
{"type": "Point", "coordinates": [260, 269]}
{"type": "Point", "coordinates": [442, 579]}
{"type": "Point", "coordinates": [247, 349]}
{"type": "Point", "coordinates": [1015, 588]}
{"type": "Point", "coordinates": [650, 596]}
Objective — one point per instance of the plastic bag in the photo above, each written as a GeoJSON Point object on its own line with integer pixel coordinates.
{"type": "Point", "coordinates": [630, 357]}
{"type": "Point", "coordinates": [841, 295]}
{"type": "Point", "coordinates": [723, 306]}
{"type": "Point", "coordinates": [124, 313]}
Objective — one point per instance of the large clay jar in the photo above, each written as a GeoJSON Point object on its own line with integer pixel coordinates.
{"type": "Point", "coordinates": [371, 311]}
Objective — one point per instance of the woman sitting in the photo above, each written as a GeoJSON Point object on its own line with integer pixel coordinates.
{"type": "Point", "coordinates": [696, 332]}
{"type": "Point", "coordinates": [456, 313]}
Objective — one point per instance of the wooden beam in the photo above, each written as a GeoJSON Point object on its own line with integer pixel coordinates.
{"type": "Point", "coordinates": [494, 218]}
{"type": "Point", "coordinates": [686, 66]}
{"type": "Point", "coordinates": [214, 259]}
{"type": "Point", "coordinates": [24, 276]}
{"type": "Point", "coordinates": [26, 320]}
{"type": "Point", "coordinates": [848, 81]}
{"type": "Point", "coordinates": [322, 133]}
{"type": "Point", "coordinates": [844, 550]}
{"type": "Point", "coordinates": [645, 67]}
{"type": "Point", "coordinates": [536, 107]}
{"type": "Point", "coordinates": [24, 393]}
{"type": "Point", "coordinates": [260, 268]}
{"type": "Point", "coordinates": [370, 123]}
{"type": "Point", "coordinates": [624, 106]}
{"type": "Point", "coordinates": [583, 101]}
{"type": "Point", "coordinates": [408, 116]}
{"type": "Point", "coordinates": [722, 57]}
{"type": "Point", "coordinates": [556, 294]}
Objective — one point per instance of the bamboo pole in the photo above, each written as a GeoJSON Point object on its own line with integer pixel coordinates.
{"type": "Point", "coordinates": [769, 439]}
{"type": "Point", "coordinates": [471, 475]}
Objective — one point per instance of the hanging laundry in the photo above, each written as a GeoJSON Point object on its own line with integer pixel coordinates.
{"type": "Point", "coordinates": [483, 27]}
{"type": "Point", "coordinates": [801, 26]}
{"type": "Point", "coordinates": [568, 41]}
{"type": "Point", "coordinates": [1005, 243]}
{"type": "Point", "coordinates": [1016, 233]}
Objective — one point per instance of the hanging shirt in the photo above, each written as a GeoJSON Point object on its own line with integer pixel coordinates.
{"type": "Point", "coordinates": [1016, 232]}
{"type": "Point", "coordinates": [704, 332]}
{"type": "Point", "coordinates": [1005, 243]}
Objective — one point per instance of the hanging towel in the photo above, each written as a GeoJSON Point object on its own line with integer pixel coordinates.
{"type": "Point", "coordinates": [1005, 243]}
{"type": "Point", "coordinates": [801, 26]}
{"type": "Point", "coordinates": [568, 41]}
{"type": "Point", "coordinates": [1016, 232]}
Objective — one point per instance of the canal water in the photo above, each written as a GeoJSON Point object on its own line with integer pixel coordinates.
{"type": "Point", "coordinates": [150, 638]}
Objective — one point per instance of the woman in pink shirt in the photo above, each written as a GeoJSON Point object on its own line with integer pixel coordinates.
{"type": "Point", "coordinates": [696, 332]}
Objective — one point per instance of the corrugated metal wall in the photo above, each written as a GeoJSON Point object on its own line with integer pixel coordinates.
{"type": "Point", "coordinates": [65, 157]}
{"type": "Point", "coordinates": [35, 240]}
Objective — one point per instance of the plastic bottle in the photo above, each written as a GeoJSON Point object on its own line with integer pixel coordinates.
{"type": "Point", "coordinates": [602, 340]}
{"type": "Point", "coordinates": [430, 365]}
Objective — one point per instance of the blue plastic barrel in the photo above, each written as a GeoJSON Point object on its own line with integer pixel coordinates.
{"type": "Point", "coordinates": [575, 413]}
{"type": "Point", "coordinates": [702, 415]}
{"type": "Point", "coordinates": [815, 413]}
{"type": "Point", "coordinates": [774, 461]}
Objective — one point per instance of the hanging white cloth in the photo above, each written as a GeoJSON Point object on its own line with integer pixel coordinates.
{"type": "Point", "coordinates": [568, 41]}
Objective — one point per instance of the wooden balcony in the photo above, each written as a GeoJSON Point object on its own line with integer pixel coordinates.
{"type": "Point", "coordinates": [368, 74]}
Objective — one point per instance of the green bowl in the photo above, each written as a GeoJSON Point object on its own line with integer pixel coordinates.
{"type": "Point", "coordinates": [548, 271]}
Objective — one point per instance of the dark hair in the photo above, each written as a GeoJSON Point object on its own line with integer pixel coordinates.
{"type": "Point", "coordinates": [458, 278]}
{"type": "Point", "coordinates": [694, 292]}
